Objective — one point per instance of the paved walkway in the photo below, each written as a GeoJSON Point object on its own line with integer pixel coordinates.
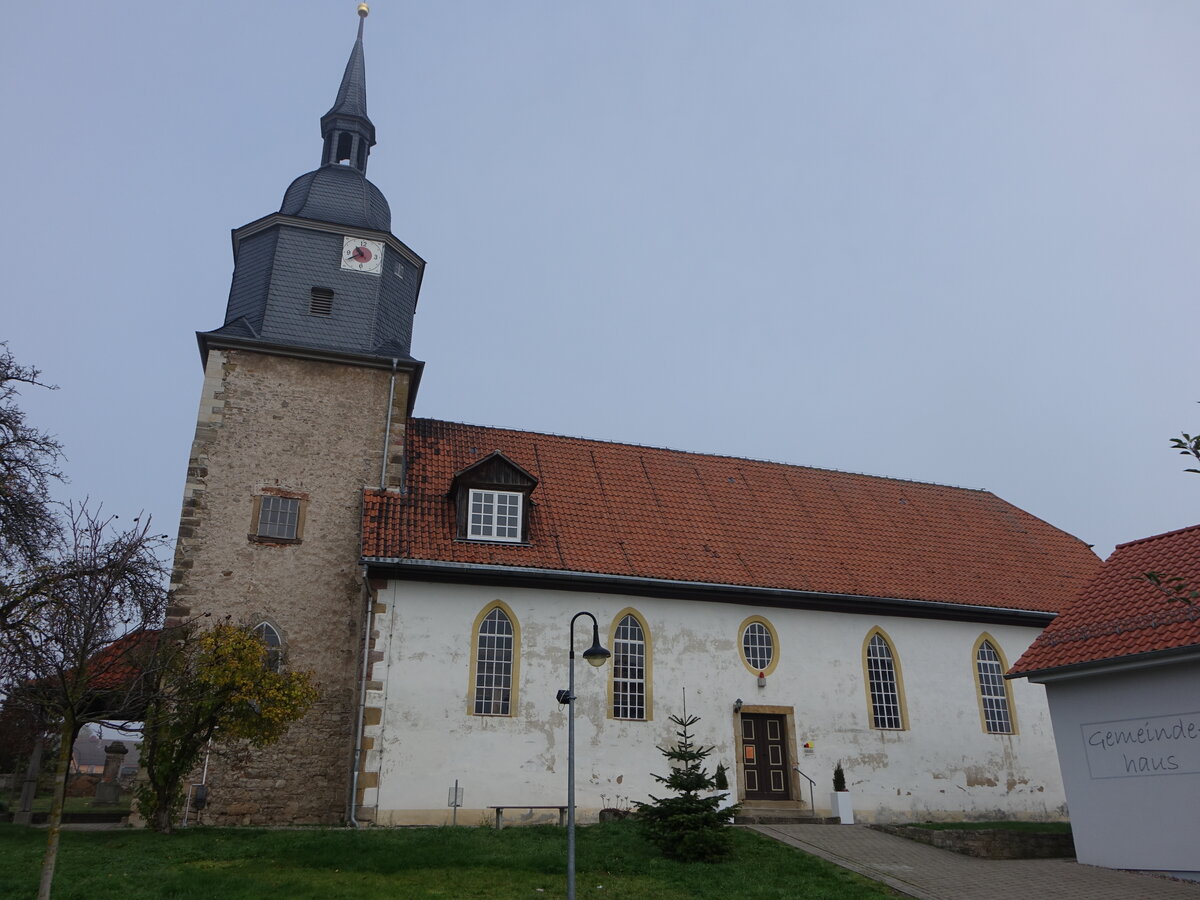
{"type": "Point", "coordinates": [931, 873]}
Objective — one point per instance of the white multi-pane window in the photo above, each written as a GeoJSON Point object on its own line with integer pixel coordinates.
{"type": "Point", "coordinates": [881, 678]}
{"type": "Point", "coordinates": [495, 516]}
{"type": "Point", "coordinates": [757, 646]}
{"type": "Point", "coordinates": [270, 637]}
{"type": "Point", "coordinates": [278, 517]}
{"type": "Point", "coordinates": [629, 670]}
{"type": "Point", "coordinates": [992, 690]}
{"type": "Point", "coordinates": [494, 665]}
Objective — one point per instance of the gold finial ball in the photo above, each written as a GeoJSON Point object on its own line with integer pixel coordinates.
{"type": "Point", "coordinates": [363, 9]}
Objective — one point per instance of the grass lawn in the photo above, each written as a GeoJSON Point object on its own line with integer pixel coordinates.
{"type": "Point", "coordinates": [70, 804]}
{"type": "Point", "coordinates": [1038, 827]}
{"type": "Point", "coordinates": [447, 863]}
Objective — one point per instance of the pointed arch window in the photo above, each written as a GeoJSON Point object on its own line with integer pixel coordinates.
{"type": "Point", "coordinates": [270, 636]}
{"type": "Point", "coordinates": [995, 701]}
{"type": "Point", "coordinates": [630, 671]}
{"type": "Point", "coordinates": [884, 688]}
{"type": "Point", "coordinates": [494, 662]}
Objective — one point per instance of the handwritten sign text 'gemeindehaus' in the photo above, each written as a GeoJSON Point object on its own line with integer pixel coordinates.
{"type": "Point", "coordinates": [1162, 745]}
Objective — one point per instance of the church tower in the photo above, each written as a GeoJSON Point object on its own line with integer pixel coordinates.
{"type": "Point", "coordinates": [307, 387]}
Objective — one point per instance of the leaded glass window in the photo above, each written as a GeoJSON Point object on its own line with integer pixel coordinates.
{"type": "Point", "coordinates": [495, 516]}
{"type": "Point", "coordinates": [270, 637]}
{"type": "Point", "coordinates": [992, 691]}
{"type": "Point", "coordinates": [494, 665]}
{"type": "Point", "coordinates": [629, 670]}
{"type": "Point", "coordinates": [757, 646]}
{"type": "Point", "coordinates": [278, 517]}
{"type": "Point", "coordinates": [881, 677]}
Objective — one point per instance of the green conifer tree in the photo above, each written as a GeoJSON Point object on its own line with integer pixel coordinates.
{"type": "Point", "coordinates": [688, 827]}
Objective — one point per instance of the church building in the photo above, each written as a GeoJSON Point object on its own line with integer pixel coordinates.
{"type": "Point", "coordinates": [429, 573]}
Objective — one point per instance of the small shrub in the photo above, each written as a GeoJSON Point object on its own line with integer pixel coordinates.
{"type": "Point", "coordinates": [721, 779]}
{"type": "Point", "coordinates": [839, 777]}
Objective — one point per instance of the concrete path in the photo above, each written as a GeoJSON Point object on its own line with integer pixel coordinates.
{"type": "Point", "coordinates": [931, 873]}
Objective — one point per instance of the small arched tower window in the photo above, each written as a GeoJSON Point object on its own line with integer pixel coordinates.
{"type": "Point", "coordinates": [270, 637]}
{"type": "Point", "coordinates": [345, 148]}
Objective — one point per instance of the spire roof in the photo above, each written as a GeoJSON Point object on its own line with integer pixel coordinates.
{"type": "Point", "coordinates": [352, 92]}
{"type": "Point", "coordinates": [348, 132]}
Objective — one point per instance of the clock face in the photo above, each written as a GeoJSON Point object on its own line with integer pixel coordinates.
{"type": "Point", "coordinates": [361, 255]}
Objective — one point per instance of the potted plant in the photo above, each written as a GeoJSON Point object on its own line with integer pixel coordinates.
{"type": "Point", "coordinates": [839, 800]}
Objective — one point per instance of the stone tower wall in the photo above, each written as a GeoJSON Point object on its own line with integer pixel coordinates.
{"type": "Point", "coordinates": [314, 430]}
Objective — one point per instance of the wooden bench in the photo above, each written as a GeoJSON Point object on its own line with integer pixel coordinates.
{"type": "Point", "coordinates": [562, 812]}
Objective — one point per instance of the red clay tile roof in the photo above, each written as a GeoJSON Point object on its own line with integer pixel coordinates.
{"type": "Point", "coordinates": [118, 665]}
{"type": "Point", "coordinates": [620, 509]}
{"type": "Point", "coordinates": [111, 670]}
{"type": "Point", "coordinates": [1120, 613]}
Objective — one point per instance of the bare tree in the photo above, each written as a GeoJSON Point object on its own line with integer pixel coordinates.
{"type": "Point", "coordinates": [30, 531]}
{"type": "Point", "coordinates": [88, 628]}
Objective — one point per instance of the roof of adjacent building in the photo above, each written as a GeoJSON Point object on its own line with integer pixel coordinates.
{"type": "Point", "coordinates": [118, 665]}
{"type": "Point", "coordinates": [626, 510]}
{"type": "Point", "coordinates": [1122, 613]}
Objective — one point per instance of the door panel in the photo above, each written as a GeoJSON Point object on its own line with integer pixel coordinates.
{"type": "Point", "coordinates": [764, 757]}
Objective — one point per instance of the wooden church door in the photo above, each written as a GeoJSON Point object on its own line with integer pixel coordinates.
{"type": "Point", "coordinates": [765, 758]}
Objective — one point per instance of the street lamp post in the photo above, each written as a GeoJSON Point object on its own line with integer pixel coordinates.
{"type": "Point", "coordinates": [596, 655]}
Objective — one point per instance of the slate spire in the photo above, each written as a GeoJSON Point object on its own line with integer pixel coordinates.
{"type": "Point", "coordinates": [349, 134]}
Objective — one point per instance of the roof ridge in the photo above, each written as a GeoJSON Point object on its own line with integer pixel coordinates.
{"type": "Point", "coordinates": [1157, 537]}
{"type": "Point", "coordinates": [710, 455]}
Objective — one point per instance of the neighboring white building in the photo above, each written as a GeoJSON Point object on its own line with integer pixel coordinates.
{"type": "Point", "coordinates": [1121, 667]}
{"type": "Point", "coordinates": [881, 614]}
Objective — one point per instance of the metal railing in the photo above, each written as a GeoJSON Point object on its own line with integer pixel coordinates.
{"type": "Point", "coordinates": [812, 805]}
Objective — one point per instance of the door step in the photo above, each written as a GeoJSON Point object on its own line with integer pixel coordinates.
{"type": "Point", "coordinates": [781, 815]}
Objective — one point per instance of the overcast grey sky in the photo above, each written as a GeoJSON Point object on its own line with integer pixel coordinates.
{"type": "Point", "coordinates": [944, 241]}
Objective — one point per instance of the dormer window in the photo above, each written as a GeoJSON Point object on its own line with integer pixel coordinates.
{"type": "Point", "coordinates": [491, 500]}
{"type": "Point", "coordinates": [495, 516]}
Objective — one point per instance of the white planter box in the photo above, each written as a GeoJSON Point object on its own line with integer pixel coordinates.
{"type": "Point", "coordinates": [843, 808]}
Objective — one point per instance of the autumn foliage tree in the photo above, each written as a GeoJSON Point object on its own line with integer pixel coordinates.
{"type": "Point", "coordinates": [210, 684]}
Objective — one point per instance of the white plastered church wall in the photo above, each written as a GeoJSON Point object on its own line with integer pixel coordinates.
{"type": "Point", "coordinates": [941, 765]}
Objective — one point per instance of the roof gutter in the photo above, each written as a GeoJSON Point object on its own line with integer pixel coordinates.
{"type": "Point", "coordinates": [560, 579]}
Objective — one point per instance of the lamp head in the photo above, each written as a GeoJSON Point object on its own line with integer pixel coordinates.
{"type": "Point", "coordinates": [596, 655]}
